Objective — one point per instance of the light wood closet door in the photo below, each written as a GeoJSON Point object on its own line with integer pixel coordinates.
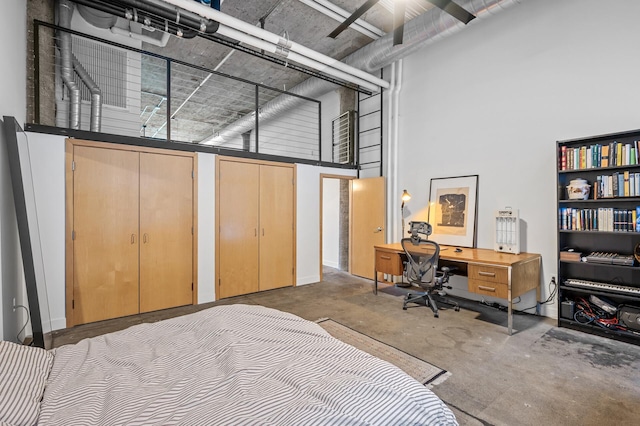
{"type": "Point", "coordinates": [238, 234]}
{"type": "Point", "coordinates": [276, 227]}
{"type": "Point", "coordinates": [166, 239]}
{"type": "Point", "coordinates": [105, 223]}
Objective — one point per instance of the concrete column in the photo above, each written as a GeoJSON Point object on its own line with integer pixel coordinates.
{"type": "Point", "coordinates": [343, 242]}
{"type": "Point", "coordinates": [347, 103]}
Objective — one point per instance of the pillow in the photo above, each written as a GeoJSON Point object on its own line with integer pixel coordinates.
{"type": "Point", "coordinates": [23, 374]}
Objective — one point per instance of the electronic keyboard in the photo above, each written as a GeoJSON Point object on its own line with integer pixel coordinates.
{"type": "Point", "coordinates": [602, 286]}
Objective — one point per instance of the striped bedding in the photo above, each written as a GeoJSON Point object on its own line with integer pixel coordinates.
{"type": "Point", "coordinates": [227, 365]}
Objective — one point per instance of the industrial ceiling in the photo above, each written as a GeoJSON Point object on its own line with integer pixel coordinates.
{"type": "Point", "coordinates": [363, 47]}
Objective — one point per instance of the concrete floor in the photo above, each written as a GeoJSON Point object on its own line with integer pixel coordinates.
{"type": "Point", "coordinates": [540, 375]}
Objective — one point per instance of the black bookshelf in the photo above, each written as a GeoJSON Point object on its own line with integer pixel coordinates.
{"type": "Point", "coordinates": [604, 222]}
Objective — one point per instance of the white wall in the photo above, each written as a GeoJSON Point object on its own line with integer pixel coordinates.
{"type": "Point", "coordinates": [331, 223]}
{"type": "Point", "coordinates": [47, 157]}
{"type": "Point", "coordinates": [308, 220]}
{"type": "Point", "coordinates": [13, 50]}
{"type": "Point", "coordinates": [206, 227]}
{"type": "Point", "coordinates": [493, 99]}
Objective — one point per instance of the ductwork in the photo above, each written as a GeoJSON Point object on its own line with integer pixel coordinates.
{"type": "Point", "coordinates": [156, 14]}
{"type": "Point", "coordinates": [66, 69]}
{"type": "Point", "coordinates": [69, 63]}
{"type": "Point", "coordinates": [419, 32]}
{"type": "Point", "coordinates": [95, 122]}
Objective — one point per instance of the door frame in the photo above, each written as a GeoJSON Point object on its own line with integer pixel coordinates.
{"type": "Point", "coordinates": [324, 176]}
{"type": "Point", "coordinates": [69, 261]}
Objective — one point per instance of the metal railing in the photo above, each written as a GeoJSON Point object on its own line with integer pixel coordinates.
{"type": "Point", "coordinates": [147, 95]}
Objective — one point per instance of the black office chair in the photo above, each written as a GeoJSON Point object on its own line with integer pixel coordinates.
{"type": "Point", "coordinates": [421, 268]}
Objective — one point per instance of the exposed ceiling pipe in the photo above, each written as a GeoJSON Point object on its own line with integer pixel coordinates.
{"type": "Point", "coordinates": [65, 11]}
{"type": "Point", "coordinates": [339, 14]}
{"type": "Point", "coordinates": [419, 32]}
{"type": "Point", "coordinates": [296, 57]}
{"type": "Point", "coordinates": [284, 47]}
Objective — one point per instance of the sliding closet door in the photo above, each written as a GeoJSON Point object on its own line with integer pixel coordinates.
{"type": "Point", "coordinates": [276, 227]}
{"type": "Point", "coordinates": [166, 226]}
{"type": "Point", "coordinates": [105, 226]}
{"type": "Point", "coordinates": [238, 233]}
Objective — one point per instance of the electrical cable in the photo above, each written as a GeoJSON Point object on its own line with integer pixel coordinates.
{"type": "Point", "coordinates": [26, 322]}
{"type": "Point", "coordinates": [589, 313]}
{"type": "Point", "coordinates": [551, 299]}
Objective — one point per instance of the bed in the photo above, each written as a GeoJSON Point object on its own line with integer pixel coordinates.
{"type": "Point", "coordinates": [235, 364]}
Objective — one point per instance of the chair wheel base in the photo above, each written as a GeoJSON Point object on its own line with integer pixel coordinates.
{"type": "Point", "coordinates": [457, 309]}
{"type": "Point", "coordinates": [404, 308]}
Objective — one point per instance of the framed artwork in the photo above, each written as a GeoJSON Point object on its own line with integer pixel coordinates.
{"type": "Point", "coordinates": [453, 206]}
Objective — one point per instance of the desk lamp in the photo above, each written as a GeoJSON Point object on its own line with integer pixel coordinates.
{"type": "Point", "coordinates": [405, 197]}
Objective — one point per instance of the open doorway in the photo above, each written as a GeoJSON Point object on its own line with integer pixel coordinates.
{"type": "Point", "coordinates": [334, 222]}
{"type": "Point", "coordinates": [352, 218]}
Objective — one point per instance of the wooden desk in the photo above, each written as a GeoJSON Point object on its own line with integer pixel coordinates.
{"type": "Point", "coordinates": [501, 275]}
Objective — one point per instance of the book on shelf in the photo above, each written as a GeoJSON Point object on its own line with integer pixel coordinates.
{"type": "Point", "coordinates": [625, 177]}
{"type": "Point", "coordinates": [613, 154]}
{"type": "Point", "coordinates": [604, 219]}
{"type": "Point", "coordinates": [604, 159]}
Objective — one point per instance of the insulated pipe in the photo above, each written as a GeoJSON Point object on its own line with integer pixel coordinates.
{"type": "Point", "coordinates": [396, 132]}
{"type": "Point", "coordinates": [285, 47]}
{"type": "Point", "coordinates": [431, 26]}
{"type": "Point", "coordinates": [66, 68]}
{"type": "Point", "coordinates": [271, 48]}
{"type": "Point", "coordinates": [95, 122]}
{"type": "Point", "coordinates": [390, 173]}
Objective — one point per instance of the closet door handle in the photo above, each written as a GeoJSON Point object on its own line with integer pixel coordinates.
{"type": "Point", "coordinates": [145, 238]}
{"type": "Point", "coordinates": [255, 232]}
{"type": "Point", "coordinates": [133, 238]}
{"type": "Point", "coordinates": [263, 232]}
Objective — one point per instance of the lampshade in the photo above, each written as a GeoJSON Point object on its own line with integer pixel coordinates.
{"type": "Point", "coordinates": [406, 196]}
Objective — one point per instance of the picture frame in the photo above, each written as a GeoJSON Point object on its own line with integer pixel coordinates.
{"type": "Point", "coordinates": [453, 208]}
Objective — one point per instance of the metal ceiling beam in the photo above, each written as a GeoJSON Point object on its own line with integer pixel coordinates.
{"type": "Point", "coordinates": [335, 12]}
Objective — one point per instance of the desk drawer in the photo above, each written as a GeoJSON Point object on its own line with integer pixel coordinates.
{"type": "Point", "coordinates": [487, 288]}
{"type": "Point", "coordinates": [389, 263]}
{"type": "Point", "coordinates": [491, 274]}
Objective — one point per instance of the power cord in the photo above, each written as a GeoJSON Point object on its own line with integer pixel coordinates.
{"type": "Point", "coordinates": [26, 322]}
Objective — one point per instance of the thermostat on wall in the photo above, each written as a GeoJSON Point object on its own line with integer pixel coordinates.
{"type": "Point", "coordinates": [507, 231]}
